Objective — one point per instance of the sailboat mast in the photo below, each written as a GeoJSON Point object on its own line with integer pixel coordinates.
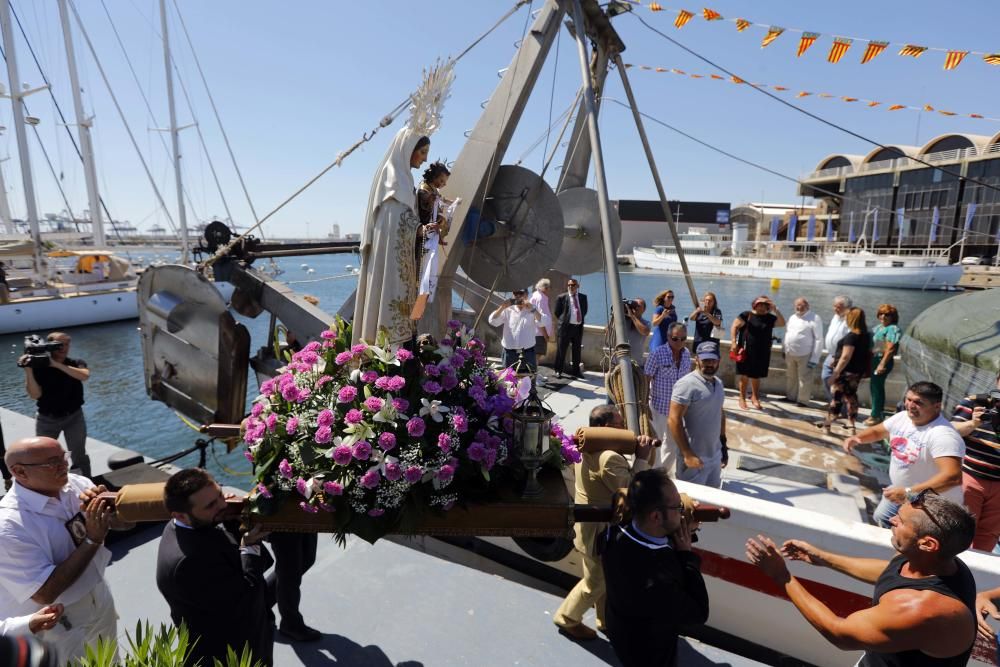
{"type": "Point", "coordinates": [83, 129]}
{"type": "Point", "coordinates": [6, 218]}
{"type": "Point", "coordinates": [174, 138]}
{"type": "Point", "coordinates": [17, 103]}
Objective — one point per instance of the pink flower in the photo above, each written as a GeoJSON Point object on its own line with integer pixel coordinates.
{"type": "Point", "coordinates": [446, 472]}
{"type": "Point", "coordinates": [333, 488]}
{"type": "Point", "coordinates": [570, 453]}
{"type": "Point", "coordinates": [346, 394]}
{"type": "Point", "coordinates": [324, 418]}
{"type": "Point", "coordinates": [477, 451]}
{"type": "Point", "coordinates": [328, 335]}
{"type": "Point", "coordinates": [285, 468]}
{"type": "Point", "coordinates": [290, 392]}
{"type": "Point", "coordinates": [303, 487]}
{"type": "Point", "coordinates": [306, 507]}
{"type": "Point", "coordinates": [413, 474]}
{"type": "Point", "coordinates": [416, 427]}
{"type": "Point", "coordinates": [342, 455]}
{"type": "Point", "coordinates": [291, 425]}
{"type": "Point", "coordinates": [370, 479]}
{"type": "Point", "coordinates": [382, 383]}
{"type": "Point", "coordinates": [374, 403]}
{"type": "Point", "coordinates": [248, 455]}
{"type": "Point", "coordinates": [444, 442]}
{"type": "Point", "coordinates": [323, 435]}
{"type": "Point", "coordinates": [264, 493]}
{"type": "Point", "coordinates": [271, 421]}
{"type": "Point", "coordinates": [393, 471]}
{"type": "Point", "coordinates": [354, 416]}
{"type": "Point", "coordinates": [342, 358]}
{"type": "Point", "coordinates": [323, 379]}
{"type": "Point", "coordinates": [304, 393]}
{"type": "Point", "coordinates": [311, 346]}
{"type": "Point", "coordinates": [307, 357]}
{"type": "Point", "coordinates": [375, 512]}
{"type": "Point", "coordinates": [401, 404]}
{"type": "Point", "coordinates": [459, 422]}
{"type": "Point", "coordinates": [361, 450]}
{"type": "Point", "coordinates": [396, 382]}
{"type": "Point", "coordinates": [256, 409]}
{"type": "Point", "coordinates": [358, 349]}
{"type": "Point", "coordinates": [403, 354]}
{"type": "Point", "coordinates": [369, 376]}
{"type": "Point", "coordinates": [387, 441]}
{"type": "Point", "coordinates": [267, 387]}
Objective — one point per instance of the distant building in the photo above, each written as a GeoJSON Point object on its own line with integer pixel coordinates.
{"type": "Point", "coordinates": [643, 222]}
{"type": "Point", "coordinates": [868, 190]}
{"type": "Point", "coordinates": [757, 216]}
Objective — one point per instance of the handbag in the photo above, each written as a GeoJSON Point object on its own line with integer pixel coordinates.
{"type": "Point", "coordinates": [737, 349]}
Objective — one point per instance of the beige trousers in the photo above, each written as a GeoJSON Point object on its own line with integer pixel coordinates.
{"type": "Point", "coordinates": [588, 592]}
{"type": "Point", "coordinates": [798, 379]}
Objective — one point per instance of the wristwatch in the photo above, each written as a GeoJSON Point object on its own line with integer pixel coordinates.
{"type": "Point", "coordinates": [910, 495]}
{"type": "Point", "coordinates": [87, 540]}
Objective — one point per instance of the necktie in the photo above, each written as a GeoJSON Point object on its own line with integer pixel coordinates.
{"type": "Point", "coordinates": [576, 309]}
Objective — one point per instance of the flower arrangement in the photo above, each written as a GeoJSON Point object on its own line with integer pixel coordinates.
{"type": "Point", "coordinates": [374, 434]}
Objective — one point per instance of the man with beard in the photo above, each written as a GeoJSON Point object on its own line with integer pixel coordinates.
{"type": "Point", "coordinates": [923, 606]}
{"type": "Point", "coordinates": [697, 422]}
{"type": "Point", "coordinates": [212, 583]}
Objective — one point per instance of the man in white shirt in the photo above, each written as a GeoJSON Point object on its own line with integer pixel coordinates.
{"type": "Point", "coordinates": [52, 530]}
{"type": "Point", "coordinates": [519, 320]}
{"type": "Point", "coordinates": [926, 451]}
{"type": "Point", "coordinates": [836, 331]}
{"type": "Point", "coordinates": [545, 332]}
{"type": "Point", "coordinates": [803, 344]}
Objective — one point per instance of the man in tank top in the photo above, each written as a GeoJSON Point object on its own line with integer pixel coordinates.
{"type": "Point", "coordinates": [922, 610]}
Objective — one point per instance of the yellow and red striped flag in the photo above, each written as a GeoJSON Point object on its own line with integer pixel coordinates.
{"type": "Point", "coordinates": [645, 67]}
{"type": "Point", "coordinates": [975, 115]}
{"type": "Point", "coordinates": [782, 88]}
{"type": "Point", "coordinates": [992, 59]}
{"type": "Point", "coordinates": [803, 94]}
{"type": "Point", "coordinates": [736, 79]}
{"type": "Point", "coordinates": [947, 113]}
{"type": "Point", "coordinates": [849, 99]}
{"type": "Point", "coordinates": [912, 50]}
{"type": "Point", "coordinates": [954, 59]}
{"type": "Point", "coordinates": [683, 16]}
{"type": "Point", "coordinates": [711, 14]}
{"type": "Point", "coordinates": [716, 76]}
{"type": "Point", "coordinates": [873, 49]}
{"type": "Point", "coordinates": [897, 107]}
{"type": "Point", "coordinates": [661, 69]}
{"type": "Point", "coordinates": [839, 48]}
{"type": "Point", "coordinates": [772, 34]}
{"type": "Point", "coordinates": [655, 7]}
{"type": "Point", "coordinates": [678, 71]}
{"type": "Point", "coordinates": [806, 40]}
{"type": "Point", "coordinates": [742, 24]}
{"type": "Point", "coordinates": [697, 76]}
{"type": "Point", "coordinates": [928, 107]}
{"type": "Point", "coordinates": [873, 103]}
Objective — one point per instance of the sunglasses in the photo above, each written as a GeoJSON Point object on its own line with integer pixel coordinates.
{"type": "Point", "coordinates": [918, 503]}
{"type": "Point", "coordinates": [571, 285]}
{"type": "Point", "coordinates": [676, 339]}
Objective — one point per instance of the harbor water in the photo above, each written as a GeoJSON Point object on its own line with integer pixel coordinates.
{"type": "Point", "coordinates": [118, 410]}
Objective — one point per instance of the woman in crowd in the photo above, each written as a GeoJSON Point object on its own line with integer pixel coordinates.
{"type": "Point", "coordinates": [885, 342]}
{"type": "Point", "coordinates": [663, 317]}
{"type": "Point", "coordinates": [751, 334]}
{"type": "Point", "coordinates": [706, 317]}
{"type": "Point", "coordinates": [853, 355]}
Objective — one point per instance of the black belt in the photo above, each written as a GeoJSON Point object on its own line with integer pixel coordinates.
{"type": "Point", "coordinates": [59, 416]}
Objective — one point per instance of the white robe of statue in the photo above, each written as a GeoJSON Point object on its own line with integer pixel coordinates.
{"type": "Point", "coordinates": [387, 285]}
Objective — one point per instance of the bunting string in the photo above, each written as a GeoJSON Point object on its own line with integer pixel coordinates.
{"type": "Point", "coordinates": [927, 108]}
{"type": "Point", "coordinates": [874, 48]}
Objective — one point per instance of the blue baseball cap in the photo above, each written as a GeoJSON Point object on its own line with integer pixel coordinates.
{"type": "Point", "coordinates": [707, 350]}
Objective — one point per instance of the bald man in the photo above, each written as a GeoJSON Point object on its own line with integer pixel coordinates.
{"type": "Point", "coordinates": [52, 530]}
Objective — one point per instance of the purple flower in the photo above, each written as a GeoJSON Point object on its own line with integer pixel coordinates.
{"type": "Point", "coordinates": [508, 425]}
{"type": "Point", "coordinates": [256, 409]}
{"type": "Point", "coordinates": [323, 435]}
{"type": "Point", "coordinates": [267, 387]}
{"type": "Point", "coordinates": [342, 455]}
{"type": "Point", "coordinates": [324, 506]}
{"type": "Point", "coordinates": [432, 387]}
{"type": "Point", "coordinates": [454, 325]}
{"type": "Point", "coordinates": [306, 507]}
{"type": "Point", "coordinates": [375, 512]}
{"type": "Point", "coordinates": [369, 376]}
{"type": "Point", "coordinates": [302, 487]}
{"type": "Point", "coordinates": [477, 451]}
{"type": "Point", "coordinates": [459, 422]}
{"type": "Point", "coordinates": [353, 416]}
{"type": "Point", "coordinates": [285, 468]}
{"type": "Point", "coordinates": [403, 354]}
{"type": "Point", "coordinates": [382, 383]}
{"type": "Point", "coordinates": [432, 370]}
{"type": "Point", "coordinates": [413, 474]}
{"type": "Point", "coordinates": [446, 472]}
{"type": "Point", "coordinates": [290, 392]}
{"type": "Point", "coordinates": [361, 450]}
{"type": "Point", "coordinates": [370, 479]}
{"type": "Point", "coordinates": [570, 453]}
{"type": "Point", "coordinates": [416, 427]}
{"type": "Point", "coordinates": [446, 342]}
{"type": "Point", "coordinates": [323, 379]}
{"type": "Point", "coordinates": [374, 403]}
{"type": "Point", "coordinates": [393, 471]}
{"type": "Point", "coordinates": [444, 443]}
{"type": "Point", "coordinates": [347, 394]}
{"type": "Point", "coordinates": [328, 335]}
{"type": "Point", "coordinates": [264, 493]}
{"type": "Point", "coordinates": [449, 382]}
{"type": "Point", "coordinates": [358, 349]}
{"type": "Point", "coordinates": [291, 425]}
{"type": "Point", "coordinates": [401, 404]}
{"type": "Point", "coordinates": [248, 455]}
{"type": "Point", "coordinates": [333, 488]}
{"type": "Point", "coordinates": [303, 395]}
{"type": "Point", "coordinates": [491, 459]}
{"type": "Point", "coordinates": [387, 441]}
{"type": "Point", "coordinates": [342, 358]}
{"type": "Point", "coordinates": [396, 382]}
{"type": "Point", "coordinates": [272, 422]}
{"type": "Point", "coordinates": [325, 417]}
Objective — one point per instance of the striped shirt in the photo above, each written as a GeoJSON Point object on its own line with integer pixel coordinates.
{"type": "Point", "coordinates": [663, 372]}
{"type": "Point", "coordinates": [982, 448]}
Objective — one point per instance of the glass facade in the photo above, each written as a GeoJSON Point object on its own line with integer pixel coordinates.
{"type": "Point", "coordinates": [919, 192]}
{"type": "Point", "coordinates": [863, 195]}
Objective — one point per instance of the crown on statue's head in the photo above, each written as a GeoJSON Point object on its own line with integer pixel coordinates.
{"type": "Point", "coordinates": [427, 102]}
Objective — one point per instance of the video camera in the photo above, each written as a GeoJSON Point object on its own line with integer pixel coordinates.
{"type": "Point", "coordinates": [629, 304]}
{"type": "Point", "coordinates": [992, 413]}
{"type": "Point", "coordinates": [38, 352]}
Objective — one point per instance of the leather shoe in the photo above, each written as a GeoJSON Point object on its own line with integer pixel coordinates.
{"type": "Point", "coordinates": [578, 632]}
{"type": "Point", "coordinates": [301, 634]}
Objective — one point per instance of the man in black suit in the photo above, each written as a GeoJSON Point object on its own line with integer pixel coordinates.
{"type": "Point", "coordinates": [570, 312]}
{"type": "Point", "coordinates": [212, 583]}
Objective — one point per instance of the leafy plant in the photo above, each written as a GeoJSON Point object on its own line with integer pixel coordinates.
{"type": "Point", "coordinates": [169, 646]}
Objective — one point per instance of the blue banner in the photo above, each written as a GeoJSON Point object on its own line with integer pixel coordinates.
{"type": "Point", "coordinates": [811, 227]}
{"type": "Point", "coordinates": [851, 238]}
{"type": "Point", "coordinates": [774, 228]}
{"type": "Point", "coordinates": [901, 222]}
{"type": "Point", "coordinates": [793, 225]}
{"type": "Point", "coordinates": [971, 211]}
{"type": "Point", "coordinates": [829, 229]}
{"type": "Point", "coordinates": [935, 221]}
{"type": "Point", "coordinates": [875, 226]}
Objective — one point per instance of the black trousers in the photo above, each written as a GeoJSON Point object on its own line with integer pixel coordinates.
{"type": "Point", "coordinates": [294, 554]}
{"type": "Point", "coordinates": [569, 334]}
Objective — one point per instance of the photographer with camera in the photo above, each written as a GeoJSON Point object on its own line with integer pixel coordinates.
{"type": "Point", "coordinates": [519, 320]}
{"type": "Point", "coordinates": [636, 329]}
{"type": "Point", "coordinates": [55, 381]}
{"type": "Point", "coordinates": [654, 581]}
{"type": "Point", "coordinates": [977, 420]}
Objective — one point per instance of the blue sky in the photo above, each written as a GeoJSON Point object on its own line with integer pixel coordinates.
{"type": "Point", "coordinates": [298, 82]}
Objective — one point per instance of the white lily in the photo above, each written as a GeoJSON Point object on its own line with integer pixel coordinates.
{"type": "Point", "coordinates": [434, 409]}
{"type": "Point", "coordinates": [445, 351]}
{"type": "Point", "coordinates": [356, 432]}
{"type": "Point", "coordinates": [385, 355]}
{"type": "Point", "coordinates": [355, 375]}
{"type": "Point", "coordinates": [387, 414]}
{"type": "Point", "coordinates": [336, 442]}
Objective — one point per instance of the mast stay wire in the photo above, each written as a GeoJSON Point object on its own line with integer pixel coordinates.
{"type": "Point", "coordinates": [812, 115]}
{"type": "Point", "coordinates": [365, 138]}
{"type": "Point", "coordinates": [756, 165]}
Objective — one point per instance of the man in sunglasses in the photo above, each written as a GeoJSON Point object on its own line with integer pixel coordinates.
{"type": "Point", "coordinates": [52, 530]}
{"type": "Point", "coordinates": [665, 366]}
{"type": "Point", "coordinates": [923, 607]}
{"type": "Point", "coordinates": [570, 313]}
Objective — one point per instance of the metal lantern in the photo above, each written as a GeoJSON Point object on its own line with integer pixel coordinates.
{"type": "Point", "coordinates": [532, 426]}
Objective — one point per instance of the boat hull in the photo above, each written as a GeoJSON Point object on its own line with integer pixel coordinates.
{"type": "Point", "coordinates": [905, 277]}
{"type": "Point", "coordinates": [62, 311]}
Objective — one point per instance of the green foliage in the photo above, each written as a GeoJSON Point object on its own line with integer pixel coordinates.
{"type": "Point", "coordinates": [244, 659]}
{"type": "Point", "coordinates": [168, 646]}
